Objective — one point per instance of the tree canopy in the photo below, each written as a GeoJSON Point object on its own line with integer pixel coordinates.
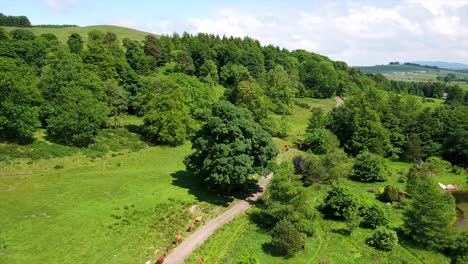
{"type": "Point", "coordinates": [229, 147]}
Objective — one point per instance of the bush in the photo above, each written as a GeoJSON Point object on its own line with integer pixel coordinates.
{"type": "Point", "coordinates": [313, 170]}
{"type": "Point", "coordinates": [383, 238]}
{"type": "Point", "coordinates": [247, 259]}
{"type": "Point", "coordinates": [321, 140]}
{"type": "Point", "coordinates": [337, 203]}
{"type": "Point", "coordinates": [390, 194]}
{"type": "Point", "coordinates": [286, 240]}
{"type": "Point", "coordinates": [368, 167]}
{"type": "Point", "coordinates": [373, 216]}
{"type": "Point", "coordinates": [458, 249]}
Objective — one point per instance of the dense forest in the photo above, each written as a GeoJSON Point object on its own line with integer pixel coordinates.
{"type": "Point", "coordinates": [169, 80]}
{"type": "Point", "coordinates": [73, 90]}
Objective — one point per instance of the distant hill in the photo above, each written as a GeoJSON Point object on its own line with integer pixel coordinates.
{"type": "Point", "coordinates": [444, 65]}
{"type": "Point", "coordinates": [386, 69]}
{"type": "Point", "coordinates": [63, 33]}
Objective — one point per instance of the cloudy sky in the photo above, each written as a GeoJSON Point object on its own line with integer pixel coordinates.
{"type": "Point", "coordinates": [362, 32]}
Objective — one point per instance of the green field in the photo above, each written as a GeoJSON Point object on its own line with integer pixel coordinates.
{"type": "Point", "coordinates": [329, 243]}
{"type": "Point", "coordinates": [113, 203]}
{"type": "Point", "coordinates": [63, 33]}
{"type": "Point", "coordinates": [123, 207]}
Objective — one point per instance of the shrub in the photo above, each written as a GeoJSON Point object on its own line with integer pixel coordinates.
{"type": "Point", "coordinates": [286, 240]}
{"type": "Point", "coordinates": [313, 170]}
{"type": "Point", "coordinates": [247, 259]}
{"type": "Point", "coordinates": [373, 216]}
{"type": "Point", "coordinates": [459, 248]}
{"type": "Point", "coordinates": [368, 167]}
{"type": "Point", "coordinates": [321, 140]}
{"type": "Point", "coordinates": [383, 238]}
{"type": "Point", "coordinates": [337, 203]}
{"type": "Point", "coordinates": [390, 194]}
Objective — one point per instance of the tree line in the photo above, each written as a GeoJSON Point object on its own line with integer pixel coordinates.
{"type": "Point", "coordinates": [14, 21]}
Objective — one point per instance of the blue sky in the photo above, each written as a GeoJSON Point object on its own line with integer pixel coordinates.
{"type": "Point", "coordinates": [359, 32]}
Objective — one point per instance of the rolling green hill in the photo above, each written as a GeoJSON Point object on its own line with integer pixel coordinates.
{"type": "Point", "coordinates": [63, 33]}
{"type": "Point", "coordinates": [413, 73]}
{"type": "Point", "coordinates": [386, 69]}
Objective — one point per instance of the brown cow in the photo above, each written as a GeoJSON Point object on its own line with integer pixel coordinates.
{"type": "Point", "coordinates": [177, 238]}
{"type": "Point", "coordinates": [169, 247]}
{"type": "Point", "coordinates": [161, 259]}
{"type": "Point", "coordinates": [201, 261]}
{"type": "Point", "coordinates": [191, 227]}
{"type": "Point", "coordinates": [199, 219]}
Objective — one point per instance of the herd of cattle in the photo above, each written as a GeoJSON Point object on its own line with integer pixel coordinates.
{"type": "Point", "coordinates": [178, 239]}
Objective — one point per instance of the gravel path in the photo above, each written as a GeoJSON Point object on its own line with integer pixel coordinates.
{"type": "Point", "coordinates": [190, 243]}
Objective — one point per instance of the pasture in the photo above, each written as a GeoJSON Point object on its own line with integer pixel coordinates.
{"type": "Point", "coordinates": [119, 207]}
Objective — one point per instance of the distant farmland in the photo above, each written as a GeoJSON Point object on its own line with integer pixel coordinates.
{"type": "Point", "coordinates": [413, 73]}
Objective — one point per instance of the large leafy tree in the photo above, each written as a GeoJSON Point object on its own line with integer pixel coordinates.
{"type": "Point", "coordinates": [19, 101]}
{"type": "Point", "coordinates": [319, 78]}
{"type": "Point", "coordinates": [229, 148]}
{"type": "Point", "coordinates": [76, 117]}
{"type": "Point", "coordinates": [136, 57]}
{"type": "Point", "coordinates": [74, 109]}
{"type": "Point", "coordinates": [280, 89]}
{"type": "Point", "coordinates": [75, 43]}
{"type": "Point", "coordinates": [98, 57]}
{"type": "Point", "coordinates": [167, 119]}
{"type": "Point", "coordinates": [251, 96]}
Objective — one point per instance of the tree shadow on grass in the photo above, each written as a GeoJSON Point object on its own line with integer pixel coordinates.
{"type": "Point", "coordinates": [269, 249]}
{"type": "Point", "coordinates": [186, 180]}
{"type": "Point", "coordinates": [341, 231]}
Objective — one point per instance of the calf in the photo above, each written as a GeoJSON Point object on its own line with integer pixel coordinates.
{"type": "Point", "coordinates": [177, 238]}
{"type": "Point", "coordinates": [191, 227]}
{"type": "Point", "coordinates": [169, 247]}
{"type": "Point", "coordinates": [199, 219]}
{"type": "Point", "coordinates": [161, 259]}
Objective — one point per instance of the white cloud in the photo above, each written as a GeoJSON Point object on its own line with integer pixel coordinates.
{"type": "Point", "coordinates": [60, 5]}
{"type": "Point", "coordinates": [358, 33]}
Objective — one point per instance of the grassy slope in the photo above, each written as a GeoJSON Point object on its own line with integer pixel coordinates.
{"type": "Point", "coordinates": [63, 33]}
{"type": "Point", "coordinates": [243, 237]}
{"type": "Point", "coordinates": [111, 209]}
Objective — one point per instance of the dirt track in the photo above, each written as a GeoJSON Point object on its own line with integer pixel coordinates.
{"type": "Point", "coordinates": [190, 243]}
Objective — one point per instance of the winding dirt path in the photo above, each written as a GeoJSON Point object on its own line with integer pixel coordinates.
{"type": "Point", "coordinates": [190, 243]}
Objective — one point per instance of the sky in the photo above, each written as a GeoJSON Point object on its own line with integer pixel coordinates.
{"type": "Point", "coordinates": [359, 32]}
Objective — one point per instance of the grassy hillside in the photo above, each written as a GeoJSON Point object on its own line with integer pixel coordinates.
{"type": "Point", "coordinates": [63, 33]}
{"type": "Point", "coordinates": [385, 69]}
{"type": "Point", "coordinates": [121, 207]}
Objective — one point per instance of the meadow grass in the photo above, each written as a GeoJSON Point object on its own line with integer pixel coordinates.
{"type": "Point", "coordinates": [63, 33]}
{"type": "Point", "coordinates": [330, 241]}
{"type": "Point", "coordinates": [114, 209]}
